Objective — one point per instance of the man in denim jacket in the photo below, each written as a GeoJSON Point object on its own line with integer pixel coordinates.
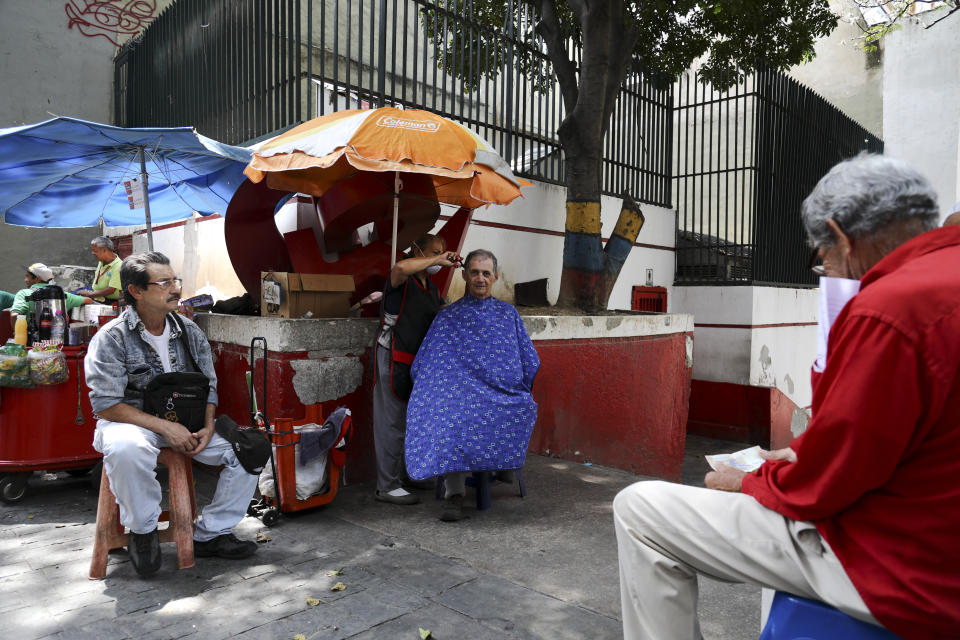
{"type": "Point", "coordinates": [123, 357]}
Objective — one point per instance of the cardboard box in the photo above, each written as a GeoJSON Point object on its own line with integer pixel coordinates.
{"type": "Point", "coordinates": [294, 295]}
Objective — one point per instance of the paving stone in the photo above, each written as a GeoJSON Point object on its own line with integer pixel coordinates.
{"type": "Point", "coordinates": [506, 607]}
{"type": "Point", "coordinates": [425, 573]}
{"type": "Point", "coordinates": [444, 623]}
{"type": "Point", "coordinates": [29, 623]}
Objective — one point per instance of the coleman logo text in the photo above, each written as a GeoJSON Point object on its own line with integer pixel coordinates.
{"type": "Point", "coordinates": [427, 126]}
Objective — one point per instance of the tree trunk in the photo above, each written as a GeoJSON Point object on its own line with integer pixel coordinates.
{"type": "Point", "coordinates": [589, 269]}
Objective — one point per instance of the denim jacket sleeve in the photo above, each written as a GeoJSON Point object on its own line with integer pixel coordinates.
{"type": "Point", "coordinates": [105, 370]}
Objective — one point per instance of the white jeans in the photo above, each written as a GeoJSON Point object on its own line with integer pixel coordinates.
{"type": "Point", "coordinates": [130, 459]}
{"type": "Point", "coordinates": [668, 533]}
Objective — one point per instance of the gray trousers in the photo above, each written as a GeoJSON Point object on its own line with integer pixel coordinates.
{"type": "Point", "coordinates": [668, 533]}
{"type": "Point", "coordinates": [389, 426]}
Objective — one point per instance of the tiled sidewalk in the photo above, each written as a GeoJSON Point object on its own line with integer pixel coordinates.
{"type": "Point", "coordinates": [540, 567]}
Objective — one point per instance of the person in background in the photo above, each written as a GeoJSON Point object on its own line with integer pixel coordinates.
{"type": "Point", "coordinates": [6, 299]}
{"type": "Point", "coordinates": [862, 510]}
{"type": "Point", "coordinates": [410, 302]}
{"type": "Point", "coordinates": [39, 275]}
{"type": "Point", "coordinates": [106, 282]}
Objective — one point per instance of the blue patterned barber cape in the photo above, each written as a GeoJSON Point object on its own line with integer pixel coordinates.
{"type": "Point", "coordinates": [472, 407]}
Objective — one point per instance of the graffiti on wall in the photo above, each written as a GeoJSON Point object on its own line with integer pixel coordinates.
{"type": "Point", "coordinates": [115, 20]}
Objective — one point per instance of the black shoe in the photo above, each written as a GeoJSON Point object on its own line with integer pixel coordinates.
{"type": "Point", "coordinates": [226, 546]}
{"type": "Point", "coordinates": [144, 551]}
{"type": "Point", "coordinates": [452, 508]}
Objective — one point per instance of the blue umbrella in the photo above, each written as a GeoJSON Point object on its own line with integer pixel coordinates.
{"type": "Point", "coordinates": [66, 172]}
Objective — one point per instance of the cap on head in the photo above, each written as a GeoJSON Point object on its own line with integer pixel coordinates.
{"type": "Point", "coordinates": [40, 270]}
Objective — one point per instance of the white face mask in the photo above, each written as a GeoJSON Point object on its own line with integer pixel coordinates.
{"type": "Point", "coordinates": [432, 269]}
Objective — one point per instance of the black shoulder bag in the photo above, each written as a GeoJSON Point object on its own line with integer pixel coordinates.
{"type": "Point", "coordinates": [179, 396]}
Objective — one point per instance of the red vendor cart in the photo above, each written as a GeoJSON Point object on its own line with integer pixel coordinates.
{"type": "Point", "coordinates": [46, 428]}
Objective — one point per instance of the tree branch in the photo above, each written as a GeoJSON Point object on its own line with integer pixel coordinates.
{"type": "Point", "coordinates": [618, 65]}
{"type": "Point", "coordinates": [549, 29]}
{"type": "Point", "coordinates": [941, 18]}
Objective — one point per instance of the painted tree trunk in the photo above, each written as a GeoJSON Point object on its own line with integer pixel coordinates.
{"type": "Point", "coordinates": [590, 269]}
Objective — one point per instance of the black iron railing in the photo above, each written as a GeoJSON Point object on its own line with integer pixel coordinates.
{"type": "Point", "coordinates": [744, 160]}
{"type": "Point", "coordinates": [238, 70]}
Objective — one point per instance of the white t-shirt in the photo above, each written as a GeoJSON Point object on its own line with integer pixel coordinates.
{"type": "Point", "coordinates": [161, 344]}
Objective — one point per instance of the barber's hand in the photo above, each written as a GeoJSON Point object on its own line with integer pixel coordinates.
{"type": "Point", "coordinates": [726, 478]}
{"type": "Point", "coordinates": [180, 438]}
{"type": "Point", "coordinates": [448, 259]}
{"type": "Point", "coordinates": [786, 453]}
{"type": "Point", "coordinates": [203, 439]}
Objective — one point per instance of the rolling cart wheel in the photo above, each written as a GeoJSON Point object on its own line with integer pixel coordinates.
{"type": "Point", "coordinates": [270, 517]}
{"type": "Point", "coordinates": [13, 487]}
{"type": "Point", "coordinates": [253, 509]}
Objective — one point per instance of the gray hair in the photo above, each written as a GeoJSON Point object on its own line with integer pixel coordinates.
{"type": "Point", "coordinates": [481, 253]}
{"type": "Point", "coordinates": [865, 195]}
{"type": "Point", "coordinates": [104, 243]}
{"type": "Point", "coordinates": [133, 271]}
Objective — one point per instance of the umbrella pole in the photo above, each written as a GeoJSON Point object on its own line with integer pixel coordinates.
{"type": "Point", "coordinates": [146, 198]}
{"type": "Point", "coordinates": [396, 215]}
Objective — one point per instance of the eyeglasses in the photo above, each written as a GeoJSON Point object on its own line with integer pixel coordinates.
{"type": "Point", "coordinates": [816, 263]}
{"type": "Point", "coordinates": [167, 284]}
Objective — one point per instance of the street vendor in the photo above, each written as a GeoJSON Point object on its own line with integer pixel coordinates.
{"type": "Point", "coordinates": [410, 301]}
{"type": "Point", "coordinates": [146, 341]}
{"type": "Point", "coordinates": [472, 406]}
{"type": "Point", "coordinates": [106, 281]}
{"type": "Point", "coordinates": [39, 275]}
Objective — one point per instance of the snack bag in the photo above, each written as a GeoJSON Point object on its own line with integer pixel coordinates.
{"type": "Point", "coordinates": [48, 365]}
{"type": "Point", "coordinates": [14, 366]}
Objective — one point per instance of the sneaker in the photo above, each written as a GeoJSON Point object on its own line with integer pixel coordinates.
{"type": "Point", "coordinates": [452, 508]}
{"type": "Point", "coordinates": [226, 546]}
{"type": "Point", "coordinates": [144, 551]}
{"type": "Point", "coordinates": [397, 496]}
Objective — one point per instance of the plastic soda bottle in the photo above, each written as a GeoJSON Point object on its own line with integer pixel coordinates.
{"type": "Point", "coordinates": [58, 329]}
{"type": "Point", "coordinates": [20, 330]}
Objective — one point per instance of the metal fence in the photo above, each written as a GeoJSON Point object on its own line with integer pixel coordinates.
{"type": "Point", "coordinates": [744, 160]}
{"type": "Point", "coordinates": [238, 70]}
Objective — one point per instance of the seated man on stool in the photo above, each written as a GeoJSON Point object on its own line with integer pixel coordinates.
{"type": "Point", "coordinates": [123, 357]}
{"type": "Point", "coordinates": [472, 407]}
{"type": "Point", "coordinates": [862, 510]}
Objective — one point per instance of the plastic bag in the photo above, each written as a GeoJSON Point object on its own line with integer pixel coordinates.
{"type": "Point", "coordinates": [311, 477]}
{"type": "Point", "coordinates": [14, 366]}
{"type": "Point", "coordinates": [48, 365]}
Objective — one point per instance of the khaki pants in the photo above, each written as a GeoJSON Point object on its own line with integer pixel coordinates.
{"type": "Point", "coordinates": [668, 533]}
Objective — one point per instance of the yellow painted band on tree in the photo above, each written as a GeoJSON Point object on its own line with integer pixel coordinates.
{"type": "Point", "coordinates": [583, 217]}
{"type": "Point", "coordinates": [629, 223]}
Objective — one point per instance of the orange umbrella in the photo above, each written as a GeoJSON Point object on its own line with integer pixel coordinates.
{"type": "Point", "coordinates": [312, 157]}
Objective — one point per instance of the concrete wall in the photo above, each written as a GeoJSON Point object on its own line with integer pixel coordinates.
{"type": "Point", "coordinates": [49, 68]}
{"type": "Point", "coordinates": [921, 102]}
{"type": "Point", "coordinates": [757, 336]}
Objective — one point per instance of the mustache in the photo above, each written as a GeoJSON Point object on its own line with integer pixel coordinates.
{"type": "Point", "coordinates": [172, 298]}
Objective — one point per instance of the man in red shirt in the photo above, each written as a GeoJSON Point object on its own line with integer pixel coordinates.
{"type": "Point", "coordinates": [863, 510]}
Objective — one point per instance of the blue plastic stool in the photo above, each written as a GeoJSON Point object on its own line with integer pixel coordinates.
{"type": "Point", "coordinates": [795, 618]}
{"type": "Point", "coordinates": [480, 481]}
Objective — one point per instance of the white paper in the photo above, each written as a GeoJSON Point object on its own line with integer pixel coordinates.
{"type": "Point", "coordinates": [271, 292]}
{"type": "Point", "coordinates": [745, 460]}
{"type": "Point", "coordinates": [835, 293]}
{"type": "Point", "coordinates": [134, 190]}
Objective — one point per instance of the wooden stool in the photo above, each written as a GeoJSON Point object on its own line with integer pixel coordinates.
{"type": "Point", "coordinates": [182, 512]}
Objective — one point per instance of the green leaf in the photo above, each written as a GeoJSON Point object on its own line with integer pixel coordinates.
{"type": "Point", "coordinates": [426, 634]}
